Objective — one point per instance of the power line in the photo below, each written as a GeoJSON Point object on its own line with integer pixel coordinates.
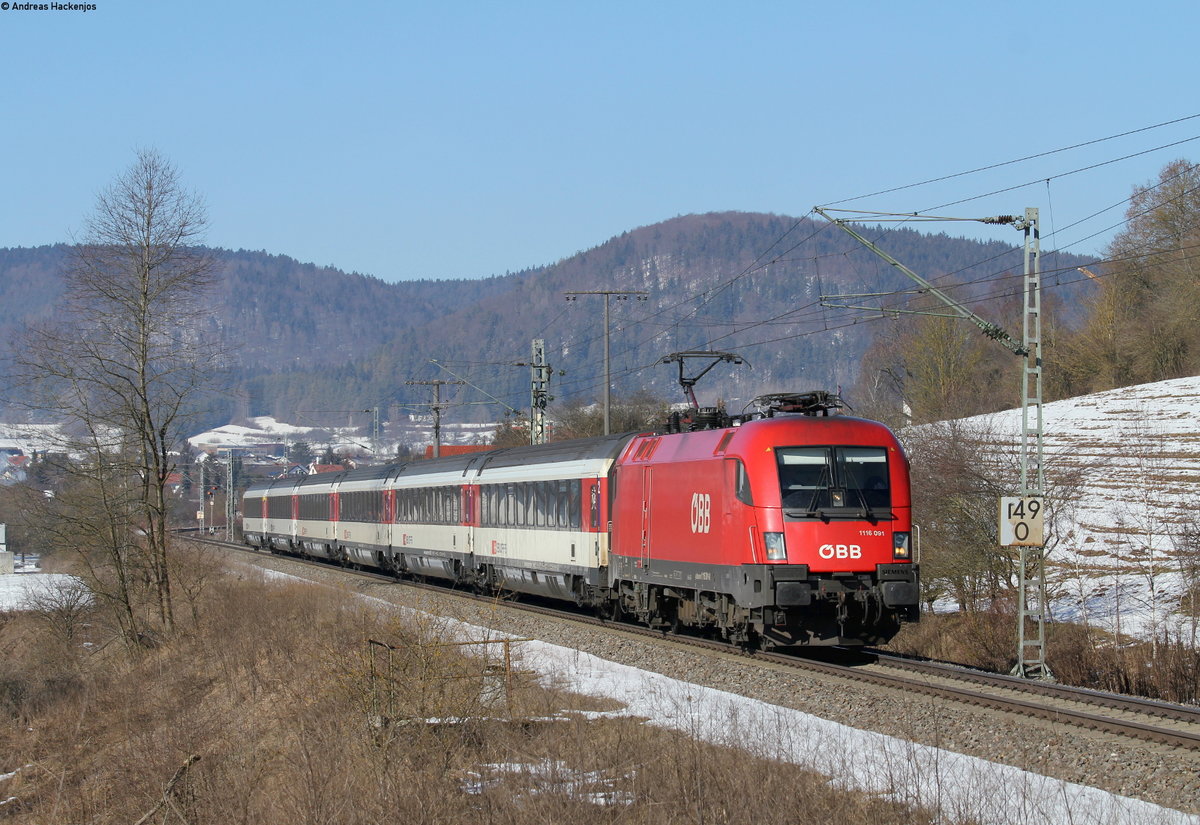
{"type": "Point", "coordinates": [1014, 161]}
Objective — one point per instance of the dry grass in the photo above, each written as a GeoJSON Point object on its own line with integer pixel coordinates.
{"type": "Point", "coordinates": [1076, 655]}
{"type": "Point", "coordinates": [267, 707]}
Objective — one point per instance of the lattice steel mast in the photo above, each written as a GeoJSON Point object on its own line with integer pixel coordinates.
{"type": "Point", "coordinates": [1031, 609]}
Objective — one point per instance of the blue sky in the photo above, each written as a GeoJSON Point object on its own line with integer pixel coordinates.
{"type": "Point", "coordinates": [463, 139]}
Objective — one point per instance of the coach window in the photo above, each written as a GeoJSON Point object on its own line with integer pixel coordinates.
{"type": "Point", "coordinates": [279, 507]}
{"type": "Point", "coordinates": [564, 504]}
{"type": "Point", "coordinates": [574, 502]}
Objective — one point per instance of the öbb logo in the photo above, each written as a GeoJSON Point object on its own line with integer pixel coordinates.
{"type": "Point", "coordinates": [701, 512]}
{"type": "Point", "coordinates": [840, 551]}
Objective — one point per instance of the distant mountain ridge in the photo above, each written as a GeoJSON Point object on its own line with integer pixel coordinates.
{"type": "Point", "coordinates": [316, 339]}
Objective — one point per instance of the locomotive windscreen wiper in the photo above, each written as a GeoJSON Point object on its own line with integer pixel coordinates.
{"type": "Point", "coordinates": [867, 512]}
{"type": "Point", "coordinates": [813, 509]}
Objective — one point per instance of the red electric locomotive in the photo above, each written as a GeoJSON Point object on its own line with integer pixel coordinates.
{"type": "Point", "coordinates": [793, 528]}
{"type": "Point", "coordinates": [786, 527]}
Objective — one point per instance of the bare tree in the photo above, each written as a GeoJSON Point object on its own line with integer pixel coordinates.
{"type": "Point", "coordinates": [638, 412]}
{"type": "Point", "coordinates": [125, 364]}
{"type": "Point", "coordinates": [959, 470]}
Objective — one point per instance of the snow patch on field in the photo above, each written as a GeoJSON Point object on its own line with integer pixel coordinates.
{"type": "Point", "coordinates": [18, 590]}
{"type": "Point", "coordinates": [1121, 557]}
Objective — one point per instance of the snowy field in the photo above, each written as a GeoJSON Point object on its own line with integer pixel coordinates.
{"type": "Point", "coordinates": [18, 589]}
{"type": "Point", "coordinates": [958, 787]}
{"type": "Point", "coordinates": [1121, 545]}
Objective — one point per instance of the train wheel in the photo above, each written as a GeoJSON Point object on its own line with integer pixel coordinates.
{"type": "Point", "coordinates": [668, 617]}
{"type": "Point", "coordinates": [610, 610]}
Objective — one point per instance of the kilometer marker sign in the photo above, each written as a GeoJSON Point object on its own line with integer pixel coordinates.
{"type": "Point", "coordinates": [1021, 521]}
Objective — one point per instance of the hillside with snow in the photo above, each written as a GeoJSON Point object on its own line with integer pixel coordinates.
{"type": "Point", "coordinates": [265, 433]}
{"type": "Point", "coordinates": [1124, 547]}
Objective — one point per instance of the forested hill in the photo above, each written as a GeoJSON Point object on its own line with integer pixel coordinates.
{"type": "Point", "coordinates": [313, 338]}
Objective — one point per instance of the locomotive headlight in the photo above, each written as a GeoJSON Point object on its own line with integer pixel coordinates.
{"type": "Point", "coordinates": [776, 549]}
{"type": "Point", "coordinates": [901, 546]}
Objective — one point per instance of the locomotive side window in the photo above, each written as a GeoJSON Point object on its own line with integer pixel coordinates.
{"type": "Point", "coordinates": [736, 472]}
{"type": "Point", "coordinates": [840, 481]}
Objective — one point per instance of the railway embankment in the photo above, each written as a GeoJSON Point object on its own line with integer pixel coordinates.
{"type": "Point", "coordinates": [1035, 747]}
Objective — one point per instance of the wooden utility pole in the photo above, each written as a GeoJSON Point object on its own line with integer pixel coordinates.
{"type": "Point", "coordinates": [436, 406]}
{"type": "Point", "coordinates": [623, 295]}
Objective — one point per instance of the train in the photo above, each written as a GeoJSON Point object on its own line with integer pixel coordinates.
{"type": "Point", "coordinates": [787, 526]}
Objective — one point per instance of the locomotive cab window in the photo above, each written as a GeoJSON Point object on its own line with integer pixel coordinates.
{"type": "Point", "coordinates": [838, 482]}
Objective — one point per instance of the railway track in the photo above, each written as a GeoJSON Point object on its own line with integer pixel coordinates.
{"type": "Point", "coordinates": [1162, 724]}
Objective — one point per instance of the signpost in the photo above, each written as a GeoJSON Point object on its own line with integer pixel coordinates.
{"type": "Point", "coordinates": [1022, 523]}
